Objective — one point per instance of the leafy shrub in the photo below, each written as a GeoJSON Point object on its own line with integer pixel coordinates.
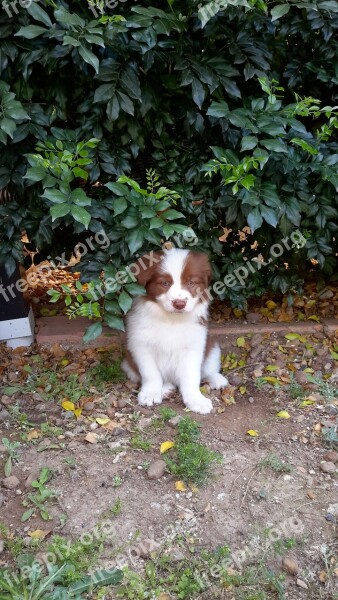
{"type": "Point", "coordinates": [232, 106]}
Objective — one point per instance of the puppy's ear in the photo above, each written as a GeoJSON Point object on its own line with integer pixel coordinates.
{"type": "Point", "coordinates": [204, 267]}
{"type": "Point", "coordinates": [147, 266]}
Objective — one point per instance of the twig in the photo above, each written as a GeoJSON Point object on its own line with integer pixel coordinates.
{"type": "Point", "coordinates": [307, 504]}
{"type": "Point", "coordinates": [247, 487]}
{"type": "Point", "coordinates": [234, 481]}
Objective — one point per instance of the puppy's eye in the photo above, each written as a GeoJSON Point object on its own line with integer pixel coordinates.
{"type": "Point", "coordinates": [191, 283]}
{"type": "Point", "coordinates": [165, 283]}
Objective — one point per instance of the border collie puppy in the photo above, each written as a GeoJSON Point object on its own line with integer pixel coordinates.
{"type": "Point", "coordinates": [167, 334]}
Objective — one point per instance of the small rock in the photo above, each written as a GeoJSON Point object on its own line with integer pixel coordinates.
{"type": "Point", "coordinates": [331, 409]}
{"type": "Point", "coordinates": [301, 584]}
{"type": "Point", "coordinates": [331, 456]}
{"type": "Point", "coordinates": [11, 482]}
{"type": "Point", "coordinates": [156, 469]}
{"type": "Point", "coordinates": [121, 403]}
{"type": "Point", "coordinates": [251, 399]}
{"type": "Point", "coordinates": [175, 555]}
{"type": "Point", "coordinates": [89, 406]}
{"type": "Point", "coordinates": [174, 421]}
{"type": "Point", "coordinates": [328, 366]}
{"type": "Point", "coordinates": [290, 565]}
{"type": "Point", "coordinates": [117, 431]}
{"type": "Point", "coordinates": [328, 467]}
{"type": "Point", "coordinates": [333, 510]}
{"type": "Point", "coordinates": [93, 426]}
{"type": "Point", "coordinates": [4, 415]}
{"type": "Point", "coordinates": [235, 380]}
{"type": "Point", "coordinates": [5, 400]}
{"type": "Point", "coordinates": [253, 318]}
{"type": "Point", "coordinates": [68, 415]}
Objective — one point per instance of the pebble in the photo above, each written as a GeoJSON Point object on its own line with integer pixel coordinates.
{"type": "Point", "coordinates": [5, 400]}
{"type": "Point", "coordinates": [174, 421]}
{"type": "Point", "coordinates": [175, 555]}
{"type": "Point", "coordinates": [290, 565]}
{"type": "Point", "coordinates": [331, 409]}
{"type": "Point", "coordinates": [89, 406]}
{"type": "Point", "coordinates": [11, 482]}
{"type": "Point", "coordinates": [251, 399]}
{"type": "Point", "coordinates": [301, 584]}
{"type": "Point", "coordinates": [328, 467]}
{"type": "Point", "coordinates": [93, 426]}
{"type": "Point", "coordinates": [235, 380]}
{"type": "Point", "coordinates": [331, 456]}
{"type": "Point", "coordinates": [122, 403]}
{"type": "Point", "coordinates": [156, 469]}
{"type": "Point", "coordinates": [4, 414]}
{"type": "Point", "coordinates": [118, 431]}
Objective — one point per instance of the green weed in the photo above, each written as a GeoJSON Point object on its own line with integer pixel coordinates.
{"type": "Point", "coordinates": [193, 460]}
{"type": "Point", "coordinates": [273, 462]}
{"type": "Point", "coordinates": [13, 455]}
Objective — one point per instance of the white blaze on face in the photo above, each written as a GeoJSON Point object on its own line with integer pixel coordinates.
{"type": "Point", "coordinates": [173, 263]}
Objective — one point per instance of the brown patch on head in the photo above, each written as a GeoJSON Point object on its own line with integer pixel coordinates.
{"type": "Point", "coordinates": [151, 277]}
{"type": "Point", "coordinates": [196, 275]}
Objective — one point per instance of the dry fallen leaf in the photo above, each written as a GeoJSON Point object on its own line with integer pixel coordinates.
{"type": "Point", "coordinates": [91, 437]}
{"type": "Point", "coordinates": [283, 414]}
{"type": "Point", "coordinates": [165, 446]}
{"type": "Point", "coordinates": [180, 486]}
{"type": "Point", "coordinates": [68, 405]}
{"type": "Point", "coordinates": [39, 534]}
{"type": "Point", "coordinates": [102, 421]}
{"type": "Point", "coordinates": [253, 433]}
{"type": "Point", "coordinates": [33, 435]}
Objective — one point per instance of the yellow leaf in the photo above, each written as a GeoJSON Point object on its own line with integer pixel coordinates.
{"type": "Point", "coordinates": [308, 370]}
{"type": "Point", "coordinates": [314, 318]}
{"type": "Point", "coordinates": [253, 433]}
{"type": "Point", "coordinates": [194, 489]}
{"type": "Point", "coordinates": [307, 403]}
{"type": "Point", "coordinates": [77, 412]}
{"type": "Point", "coordinates": [180, 487]}
{"type": "Point", "coordinates": [272, 368]}
{"type": "Point", "coordinates": [102, 421]}
{"type": "Point", "coordinates": [165, 446]}
{"type": "Point", "coordinates": [271, 304]}
{"type": "Point", "coordinates": [283, 414]}
{"type": "Point", "coordinates": [39, 534]}
{"type": "Point", "coordinates": [282, 349]}
{"type": "Point", "coordinates": [240, 342]}
{"type": "Point", "coordinates": [33, 435]}
{"type": "Point", "coordinates": [68, 405]}
{"type": "Point", "coordinates": [270, 379]}
{"type": "Point", "coordinates": [64, 362]}
{"type": "Point", "coordinates": [237, 312]}
{"type": "Point", "coordinates": [242, 389]}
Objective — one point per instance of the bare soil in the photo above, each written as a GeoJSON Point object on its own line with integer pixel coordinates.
{"type": "Point", "coordinates": [250, 502]}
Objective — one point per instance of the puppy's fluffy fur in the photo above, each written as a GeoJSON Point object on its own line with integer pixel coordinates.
{"type": "Point", "coordinates": [167, 335]}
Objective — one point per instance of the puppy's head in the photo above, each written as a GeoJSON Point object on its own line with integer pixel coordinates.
{"type": "Point", "coordinates": [175, 279]}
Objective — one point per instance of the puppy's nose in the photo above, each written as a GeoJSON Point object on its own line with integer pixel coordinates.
{"type": "Point", "coordinates": [179, 304]}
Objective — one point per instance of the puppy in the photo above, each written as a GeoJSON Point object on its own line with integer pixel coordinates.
{"type": "Point", "coordinates": [167, 334]}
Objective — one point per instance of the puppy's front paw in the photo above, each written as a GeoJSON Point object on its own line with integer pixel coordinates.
{"type": "Point", "coordinates": [149, 396]}
{"type": "Point", "coordinates": [218, 381]}
{"type": "Point", "coordinates": [199, 404]}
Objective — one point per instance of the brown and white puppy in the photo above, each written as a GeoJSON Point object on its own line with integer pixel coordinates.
{"type": "Point", "coordinates": [167, 330]}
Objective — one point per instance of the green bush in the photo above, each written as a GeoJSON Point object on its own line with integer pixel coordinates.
{"type": "Point", "coordinates": [233, 107]}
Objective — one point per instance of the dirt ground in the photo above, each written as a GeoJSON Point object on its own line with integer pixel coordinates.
{"type": "Point", "coordinates": [272, 500]}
